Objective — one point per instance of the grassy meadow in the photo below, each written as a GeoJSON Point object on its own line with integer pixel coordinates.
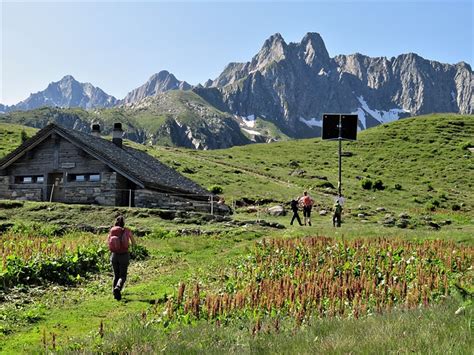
{"type": "Point", "coordinates": [396, 277]}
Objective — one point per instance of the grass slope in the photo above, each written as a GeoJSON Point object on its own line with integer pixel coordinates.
{"type": "Point", "coordinates": [421, 162]}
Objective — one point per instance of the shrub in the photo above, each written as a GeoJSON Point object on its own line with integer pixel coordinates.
{"type": "Point", "coordinates": [139, 252]}
{"type": "Point", "coordinates": [456, 207]}
{"type": "Point", "coordinates": [378, 185]}
{"type": "Point", "coordinates": [398, 187]}
{"type": "Point", "coordinates": [366, 184]}
{"type": "Point", "coordinates": [466, 145]}
{"type": "Point", "coordinates": [159, 233]}
{"type": "Point", "coordinates": [216, 189]}
{"type": "Point", "coordinates": [325, 184]}
{"type": "Point", "coordinates": [23, 136]}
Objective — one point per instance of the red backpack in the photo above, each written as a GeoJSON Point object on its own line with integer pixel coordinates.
{"type": "Point", "coordinates": [118, 240]}
{"type": "Point", "coordinates": [307, 201]}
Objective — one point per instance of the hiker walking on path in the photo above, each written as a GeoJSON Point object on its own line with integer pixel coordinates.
{"type": "Point", "coordinates": [294, 208]}
{"type": "Point", "coordinates": [307, 203]}
{"type": "Point", "coordinates": [119, 240]}
{"type": "Point", "coordinates": [336, 218]}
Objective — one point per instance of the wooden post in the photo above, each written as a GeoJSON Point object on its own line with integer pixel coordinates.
{"type": "Point", "coordinates": [130, 198]}
{"type": "Point", "coordinates": [51, 195]}
{"type": "Point", "coordinates": [212, 205]}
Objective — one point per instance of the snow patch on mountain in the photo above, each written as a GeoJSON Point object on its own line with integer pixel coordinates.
{"type": "Point", "coordinates": [249, 131]}
{"type": "Point", "coordinates": [248, 121]}
{"type": "Point", "coordinates": [312, 122]}
{"type": "Point", "coordinates": [380, 115]}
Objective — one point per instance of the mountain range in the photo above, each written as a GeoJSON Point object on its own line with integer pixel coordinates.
{"type": "Point", "coordinates": [280, 93]}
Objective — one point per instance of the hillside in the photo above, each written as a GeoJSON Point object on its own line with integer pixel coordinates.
{"type": "Point", "coordinates": [175, 118]}
{"type": "Point", "coordinates": [422, 163]}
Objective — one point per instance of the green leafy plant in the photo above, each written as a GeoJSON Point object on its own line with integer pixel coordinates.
{"type": "Point", "coordinates": [216, 189]}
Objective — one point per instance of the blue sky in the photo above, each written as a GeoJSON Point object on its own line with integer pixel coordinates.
{"type": "Point", "coordinates": [118, 45]}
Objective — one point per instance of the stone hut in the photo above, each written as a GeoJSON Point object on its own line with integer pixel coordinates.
{"type": "Point", "coordinates": [69, 166]}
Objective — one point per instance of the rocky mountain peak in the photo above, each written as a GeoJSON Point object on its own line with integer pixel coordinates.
{"type": "Point", "coordinates": [67, 78]}
{"type": "Point", "coordinates": [160, 82]}
{"type": "Point", "coordinates": [313, 50]}
{"type": "Point", "coordinates": [67, 92]}
{"type": "Point", "coordinates": [273, 50]}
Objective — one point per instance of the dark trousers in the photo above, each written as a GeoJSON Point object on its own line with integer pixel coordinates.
{"type": "Point", "coordinates": [120, 264]}
{"type": "Point", "coordinates": [297, 217]}
{"type": "Point", "coordinates": [336, 220]}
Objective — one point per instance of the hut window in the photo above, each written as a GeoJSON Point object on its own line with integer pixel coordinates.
{"type": "Point", "coordinates": [94, 177]}
{"type": "Point", "coordinates": [39, 179]}
{"type": "Point", "coordinates": [84, 177]}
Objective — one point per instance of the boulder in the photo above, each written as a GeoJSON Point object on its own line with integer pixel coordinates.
{"type": "Point", "coordinates": [361, 215]}
{"type": "Point", "coordinates": [403, 223]}
{"type": "Point", "coordinates": [298, 172]}
{"type": "Point", "coordinates": [388, 222]}
{"type": "Point", "coordinates": [434, 225]}
{"type": "Point", "coordinates": [404, 215]}
{"type": "Point", "coordinates": [323, 212]}
{"type": "Point", "coordinates": [277, 211]}
{"type": "Point", "coordinates": [380, 209]}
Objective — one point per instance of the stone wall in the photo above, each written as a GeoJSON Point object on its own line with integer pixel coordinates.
{"type": "Point", "coordinates": [102, 193]}
{"type": "Point", "coordinates": [106, 193]}
{"type": "Point", "coordinates": [153, 199]}
{"type": "Point", "coordinates": [31, 192]}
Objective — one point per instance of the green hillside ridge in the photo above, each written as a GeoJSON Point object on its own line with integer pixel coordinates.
{"type": "Point", "coordinates": [148, 121]}
{"type": "Point", "coordinates": [422, 163]}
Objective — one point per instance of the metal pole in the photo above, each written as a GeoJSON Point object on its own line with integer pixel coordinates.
{"type": "Point", "coordinates": [340, 167]}
{"type": "Point", "coordinates": [212, 205]}
{"type": "Point", "coordinates": [339, 185]}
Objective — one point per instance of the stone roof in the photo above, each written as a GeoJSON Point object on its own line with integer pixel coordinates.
{"type": "Point", "coordinates": [134, 164]}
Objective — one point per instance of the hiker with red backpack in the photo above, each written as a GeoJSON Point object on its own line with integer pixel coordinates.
{"type": "Point", "coordinates": [307, 203]}
{"type": "Point", "coordinates": [119, 240]}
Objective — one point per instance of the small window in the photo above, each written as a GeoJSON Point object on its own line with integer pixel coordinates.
{"type": "Point", "coordinates": [94, 177]}
{"type": "Point", "coordinates": [80, 178]}
{"type": "Point", "coordinates": [38, 179]}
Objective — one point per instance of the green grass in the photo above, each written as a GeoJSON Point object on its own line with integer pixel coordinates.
{"type": "Point", "coordinates": [421, 161]}
{"type": "Point", "coordinates": [431, 330]}
{"type": "Point", "coordinates": [10, 136]}
{"type": "Point", "coordinates": [425, 155]}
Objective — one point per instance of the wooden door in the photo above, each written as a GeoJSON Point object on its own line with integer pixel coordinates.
{"type": "Point", "coordinates": [56, 187]}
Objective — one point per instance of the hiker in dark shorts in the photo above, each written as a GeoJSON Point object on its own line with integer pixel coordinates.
{"type": "Point", "coordinates": [119, 240]}
{"type": "Point", "coordinates": [307, 203]}
{"type": "Point", "coordinates": [294, 208]}
{"type": "Point", "coordinates": [336, 218]}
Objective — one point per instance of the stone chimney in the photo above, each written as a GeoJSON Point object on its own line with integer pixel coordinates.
{"type": "Point", "coordinates": [95, 130]}
{"type": "Point", "coordinates": [117, 134]}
